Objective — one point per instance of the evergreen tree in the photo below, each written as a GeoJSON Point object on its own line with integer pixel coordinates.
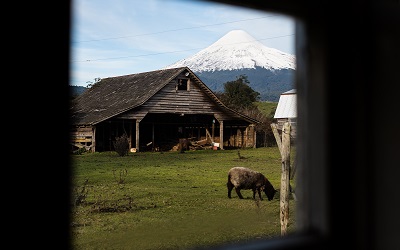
{"type": "Point", "coordinates": [238, 94]}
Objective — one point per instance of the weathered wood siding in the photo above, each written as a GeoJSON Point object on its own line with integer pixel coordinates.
{"type": "Point", "coordinates": [240, 137]}
{"type": "Point", "coordinates": [83, 137]}
{"type": "Point", "coordinates": [171, 100]}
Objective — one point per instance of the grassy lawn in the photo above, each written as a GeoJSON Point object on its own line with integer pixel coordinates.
{"type": "Point", "coordinates": [171, 200]}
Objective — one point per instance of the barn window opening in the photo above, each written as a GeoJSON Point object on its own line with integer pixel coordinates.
{"type": "Point", "coordinates": [182, 84]}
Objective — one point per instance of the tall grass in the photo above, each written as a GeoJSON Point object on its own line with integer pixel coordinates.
{"type": "Point", "coordinates": [170, 200]}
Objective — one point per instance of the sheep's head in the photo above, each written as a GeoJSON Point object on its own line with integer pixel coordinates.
{"type": "Point", "coordinates": [269, 191]}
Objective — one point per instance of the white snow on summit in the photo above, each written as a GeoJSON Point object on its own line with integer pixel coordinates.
{"type": "Point", "coordinates": [237, 50]}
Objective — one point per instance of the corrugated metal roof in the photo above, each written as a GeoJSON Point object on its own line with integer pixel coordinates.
{"type": "Point", "coordinates": [287, 105]}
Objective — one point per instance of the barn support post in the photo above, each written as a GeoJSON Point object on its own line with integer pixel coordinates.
{"type": "Point", "coordinates": [284, 199]}
{"type": "Point", "coordinates": [152, 137]}
{"type": "Point", "coordinates": [246, 137]}
{"type": "Point", "coordinates": [221, 134]}
{"type": "Point", "coordinates": [253, 127]}
{"type": "Point", "coordinates": [130, 135]}
{"type": "Point", "coordinates": [94, 140]}
{"type": "Point", "coordinates": [241, 138]}
{"type": "Point", "coordinates": [212, 130]}
{"type": "Point", "coordinates": [137, 136]}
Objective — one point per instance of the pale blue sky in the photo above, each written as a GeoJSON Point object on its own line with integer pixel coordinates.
{"type": "Point", "coordinates": [120, 37]}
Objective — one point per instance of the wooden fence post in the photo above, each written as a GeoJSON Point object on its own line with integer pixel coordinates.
{"type": "Point", "coordinates": [287, 174]}
{"type": "Point", "coordinates": [285, 180]}
{"type": "Point", "coordinates": [277, 136]}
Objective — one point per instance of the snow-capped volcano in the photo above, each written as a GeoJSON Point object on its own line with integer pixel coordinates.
{"type": "Point", "coordinates": [269, 71]}
{"type": "Point", "coordinates": [237, 50]}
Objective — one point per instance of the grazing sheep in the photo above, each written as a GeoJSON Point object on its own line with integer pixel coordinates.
{"type": "Point", "coordinates": [245, 178]}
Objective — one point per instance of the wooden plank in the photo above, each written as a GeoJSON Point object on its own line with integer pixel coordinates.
{"type": "Point", "coordinates": [78, 145]}
{"type": "Point", "coordinates": [208, 134]}
{"type": "Point", "coordinates": [81, 140]}
{"type": "Point", "coordinates": [201, 142]}
{"type": "Point", "coordinates": [81, 134]}
{"type": "Point", "coordinates": [85, 129]}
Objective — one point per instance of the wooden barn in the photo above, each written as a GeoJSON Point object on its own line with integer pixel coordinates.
{"type": "Point", "coordinates": [157, 110]}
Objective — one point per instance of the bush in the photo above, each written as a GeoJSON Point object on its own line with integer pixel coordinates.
{"type": "Point", "coordinates": [121, 145]}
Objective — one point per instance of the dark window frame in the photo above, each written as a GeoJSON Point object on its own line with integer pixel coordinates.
{"type": "Point", "coordinates": [183, 84]}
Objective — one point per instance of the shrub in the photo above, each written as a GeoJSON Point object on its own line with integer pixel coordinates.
{"type": "Point", "coordinates": [121, 145]}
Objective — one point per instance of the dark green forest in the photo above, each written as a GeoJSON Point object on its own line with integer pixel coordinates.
{"type": "Point", "coordinates": [269, 83]}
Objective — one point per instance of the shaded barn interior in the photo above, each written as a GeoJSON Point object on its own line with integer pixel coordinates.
{"type": "Point", "coordinates": [164, 132]}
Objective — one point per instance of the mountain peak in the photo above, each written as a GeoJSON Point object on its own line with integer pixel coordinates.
{"type": "Point", "coordinates": [237, 50]}
{"type": "Point", "coordinates": [235, 37]}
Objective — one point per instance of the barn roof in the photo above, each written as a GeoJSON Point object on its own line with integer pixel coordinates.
{"type": "Point", "coordinates": [114, 95]}
{"type": "Point", "coordinates": [287, 105]}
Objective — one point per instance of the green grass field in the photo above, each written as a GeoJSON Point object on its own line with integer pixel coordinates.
{"type": "Point", "coordinates": [267, 108]}
{"type": "Point", "coordinates": [171, 200]}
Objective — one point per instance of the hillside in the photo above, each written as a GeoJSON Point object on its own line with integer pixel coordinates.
{"type": "Point", "coordinates": [270, 84]}
{"type": "Point", "coordinates": [267, 108]}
